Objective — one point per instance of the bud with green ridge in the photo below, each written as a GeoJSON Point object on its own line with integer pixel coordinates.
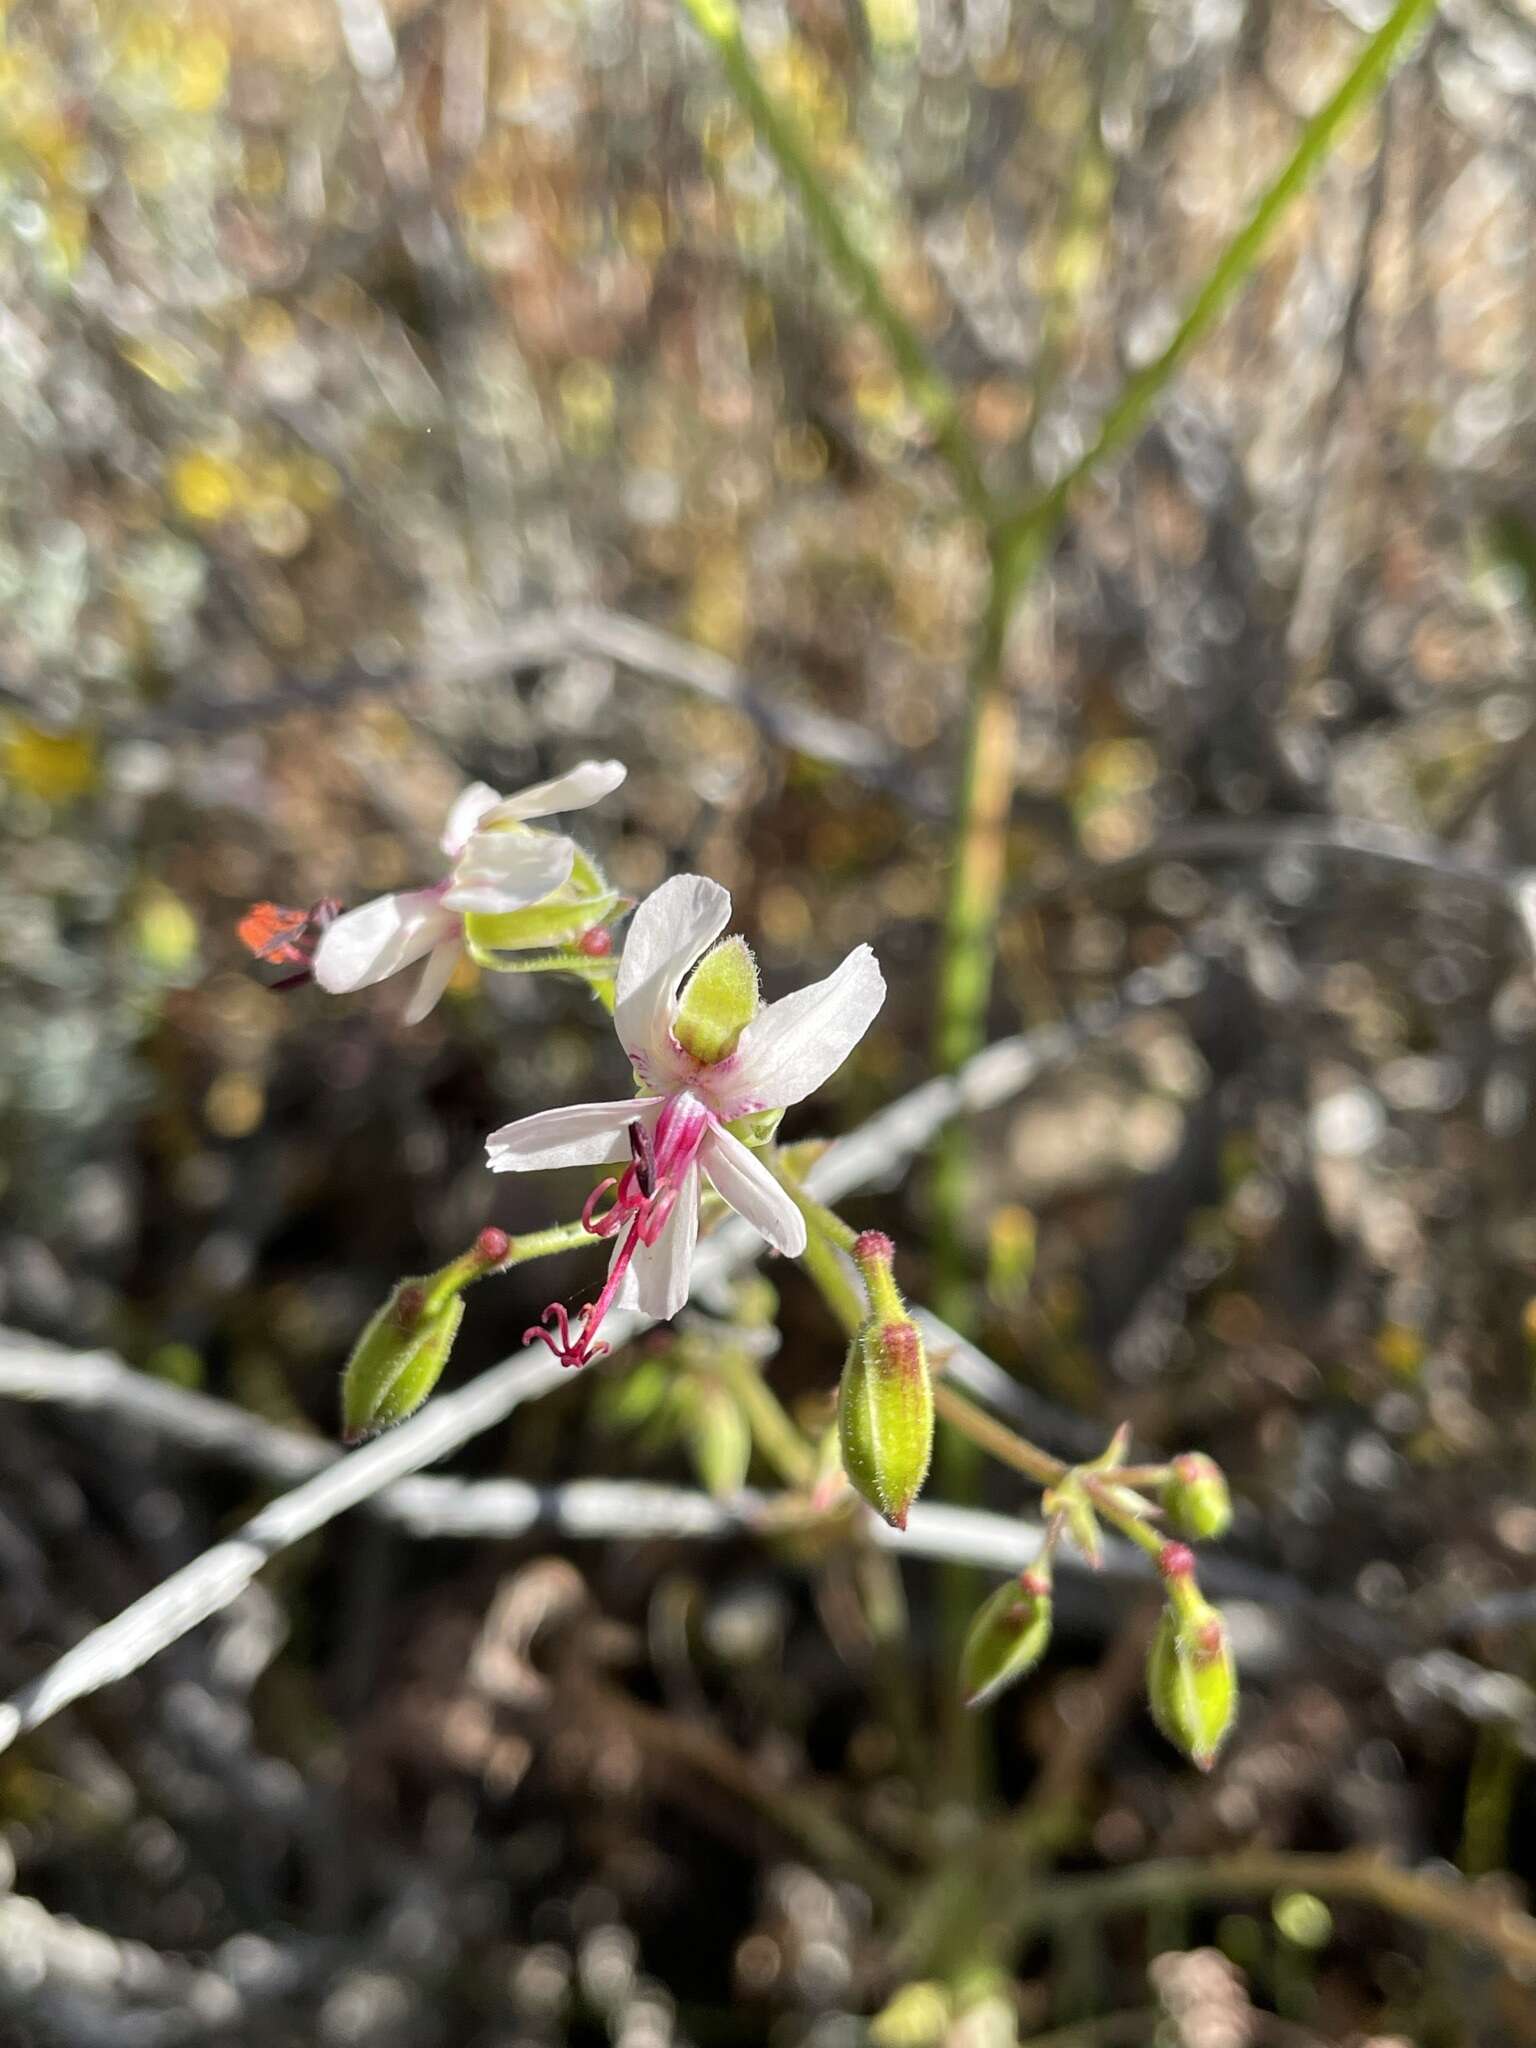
{"type": "Point", "coordinates": [398, 1360]}
{"type": "Point", "coordinates": [1195, 1497]}
{"type": "Point", "coordinates": [885, 1417]}
{"type": "Point", "coordinates": [885, 1398]}
{"type": "Point", "coordinates": [400, 1356]}
{"type": "Point", "coordinates": [1191, 1677]}
{"type": "Point", "coordinates": [1008, 1636]}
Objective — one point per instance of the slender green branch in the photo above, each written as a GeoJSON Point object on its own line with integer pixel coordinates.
{"type": "Point", "coordinates": [773, 1430]}
{"type": "Point", "coordinates": [543, 1244]}
{"type": "Point", "coordinates": [926, 385]}
{"type": "Point", "coordinates": [1027, 529]}
{"type": "Point", "coordinates": [988, 1434]}
{"type": "Point", "coordinates": [826, 1235]}
{"type": "Point", "coordinates": [1482, 1917]}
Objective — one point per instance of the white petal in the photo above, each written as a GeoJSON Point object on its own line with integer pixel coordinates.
{"type": "Point", "coordinates": [469, 807]}
{"type": "Point", "coordinates": [657, 1281]}
{"type": "Point", "coordinates": [738, 1174]}
{"type": "Point", "coordinates": [501, 871]}
{"type": "Point", "coordinates": [587, 783]}
{"type": "Point", "coordinates": [379, 938]}
{"type": "Point", "coordinates": [435, 977]}
{"type": "Point", "coordinates": [669, 931]}
{"type": "Point", "coordinates": [582, 1134]}
{"type": "Point", "coordinates": [790, 1048]}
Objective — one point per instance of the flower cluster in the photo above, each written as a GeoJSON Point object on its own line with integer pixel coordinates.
{"type": "Point", "coordinates": [714, 1068]}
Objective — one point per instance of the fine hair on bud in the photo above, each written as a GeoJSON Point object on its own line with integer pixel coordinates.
{"type": "Point", "coordinates": [1007, 1638]}
{"type": "Point", "coordinates": [885, 1417]}
{"type": "Point", "coordinates": [1192, 1680]}
{"type": "Point", "coordinates": [1195, 1498]}
{"type": "Point", "coordinates": [398, 1360]}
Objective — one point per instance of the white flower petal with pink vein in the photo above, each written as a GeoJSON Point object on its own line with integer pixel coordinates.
{"type": "Point", "coordinates": [657, 1282]}
{"type": "Point", "coordinates": [741, 1177]}
{"type": "Point", "coordinates": [791, 1047]}
{"type": "Point", "coordinates": [587, 783]}
{"type": "Point", "coordinates": [435, 977]}
{"type": "Point", "coordinates": [669, 931]}
{"type": "Point", "coordinates": [379, 938]}
{"type": "Point", "coordinates": [582, 1134]}
{"type": "Point", "coordinates": [502, 871]}
{"type": "Point", "coordinates": [469, 807]}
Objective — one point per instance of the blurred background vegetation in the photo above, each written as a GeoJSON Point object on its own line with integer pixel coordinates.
{"type": "Point", "coordinates": [397, 394]}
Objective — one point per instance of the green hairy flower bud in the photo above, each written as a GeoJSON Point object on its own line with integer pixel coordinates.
{"type": "Point", "coordinates": [400, 1356]}
{"type": "Point", "coordinates": [885, 1417]}
{"type": "Point", "coordinates": [1191, 1678]}
{"type": "Point", "coordinates": [719, 1002]}
{"type": "Point", "coordinates": [398, 1359]}
{"type": "Point", "coordinates": [1195, 1497]}
{"type": "Point", "coordinates": [1008, 1636]}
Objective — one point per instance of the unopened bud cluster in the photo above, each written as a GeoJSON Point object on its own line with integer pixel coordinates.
{"type": "Point", "coordinates": [885, 1398]}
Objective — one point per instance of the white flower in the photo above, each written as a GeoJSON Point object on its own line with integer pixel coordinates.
{"type": "Point", "coordinates": [676, 1129]}
{"type": "Point", "coordinates": [498, 864]}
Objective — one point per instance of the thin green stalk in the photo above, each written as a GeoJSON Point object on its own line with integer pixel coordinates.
{"type": "Point", "coordinates": [826, 1235]}
{"type": "Point", "coordinates": [773, 1430]}
{"type": "Point", "coordinates": [1018, 545]}
{"type": "Point", "coordinates": [1479, 1917]}
{"type": "Point", "coordinates": [926, 385]}
{"type": "Point", "coordinates": [1025, 529]}
{"type": "Point", "coordinates": [543, 1244]}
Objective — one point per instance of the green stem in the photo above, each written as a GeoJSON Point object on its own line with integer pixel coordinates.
{"type": "Point", "coordinates": [543, 1244]}
{"type": "Point", "coordinates": [1027, 529]}
{"type": "Point", "coordinates": [826, 1234]}
{"type": "Point", "coordinates": [1475, 1916]}
{"type": "Point", "coordinates": [926, 385]}
{"type": "Point", "coordinates": [773, 1429]}
{"type": "Point", "coordinates": [986, 1433]}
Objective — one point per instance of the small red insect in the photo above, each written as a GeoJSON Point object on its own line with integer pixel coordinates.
{"type": "Point", "coordinates": [286, 937]}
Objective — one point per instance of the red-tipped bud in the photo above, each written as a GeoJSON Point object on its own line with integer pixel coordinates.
{"type": "Point", "coordinates": [1195, 1497]}
{"type": "Point", "coordinates": [1192, 1680]}
{"type": "Point", "coordinates": [398, 1360]}
{"type": "Point", "coordinates": [492, 1245]}
{"type": "Point", "coordinates": [885, 1417]}
{"type": "Point", "coordinates": [1008, 1636]}
{"type": "Point", "coordinates": [873, 1245]}
{"type": "Point", "coordinates": [1176, 1561]}
{"type": "Point", "coordinates": [597, 943]}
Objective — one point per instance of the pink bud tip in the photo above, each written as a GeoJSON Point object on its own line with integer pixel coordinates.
{"type": "Point", "coordinates": [597, 944]}
{"type": "Point", "coordinates": [898, 1522]}
{"type": "Point", "coordinates": [1035, 1584]}
{"type": "Point", "coordinates": [1176, 1561]}
{"type": "Point", "coordinates": [492, 1245]}
{"type": "Point", "coordinates": [871, 1245]}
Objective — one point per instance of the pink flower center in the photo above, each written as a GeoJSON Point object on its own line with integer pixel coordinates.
{"type": "Point", "coordinates": [645, 1195]}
